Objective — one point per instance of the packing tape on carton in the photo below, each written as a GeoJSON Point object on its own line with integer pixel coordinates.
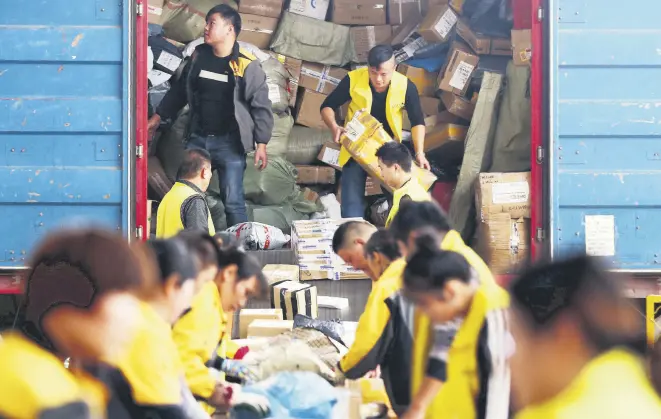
{"type": "Point", "coordinates": [323, 77]}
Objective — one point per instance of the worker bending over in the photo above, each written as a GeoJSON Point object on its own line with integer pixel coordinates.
{"type": "Point", "coordinates": [385, 94]}
{"type": "Point", "coordinates": [469, 355]}
{"type": "Point", "coordinates": [201, 333]}
{"type": "Point", "coordinates": [383, 335]}
{"type": "Point", "coordinates": [185, 207]}
{"type": "Point", "coordinates": [349, 244]}
{"type": "Point", "coordinates": [80, 301]}
{"type": "Point", "coordinates": [395, 163]}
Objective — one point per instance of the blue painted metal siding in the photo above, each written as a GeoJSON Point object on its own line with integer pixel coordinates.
{"type": "Point", "coordinates": [605, 150]}
{"type": "Point", "coordinates": [64, 119]}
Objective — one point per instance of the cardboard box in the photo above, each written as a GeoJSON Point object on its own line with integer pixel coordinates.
{"type": "Point", "coordinates": [293, 298]}
{"type": "Point", "coordinates": [405, 40]}
{"type": "Point", "coordinates": [430, 105]}
{"type": "Point", "coordinates": [320, 78]}
{"type": "Point", "coordinates": [268, 8]}
{"type": "Point", "coordinates": [278, 273]}
{"type": "Point", "coordinates": [316, 9]}
{"type": "Point", "coordinates": [430, 121]}
{"type": "Point", "coordinates": [503, 193]}
{"type": "Point", "coordinates": [423, 80]}
{"type": "Point", "coordinates": [446, 117]}
{"type": "Point", "coordinates": [458, 105]}
{"type": "Point", "coordinates": [307, 109]}
{"type": "Point", "coordinates": [269, 328]}
{"type": "Point", "coordinates": [457, 5]}
{"type": "Point", "coordinates": [444, 133]}
{"type": "Point", "coordinates": [363, 136]}
{"type": "Point", "coordinates": [155, 11]}
{"type": "Point", "coordinates": [400, 10]}
{"type": "Point", "coordinates": [359, 12]}
{"type": "Point", "coordinates": [157, 178]}
{"type": "Point", "coordinates": [317, 271]}
{"type": "Point", "coordinates": [522, 47]}
{"type": "Point", "coordinates": [482, 44]}
{"type": "Point", "coordinates": [504, 243]}
{"type": "Point", "coordinates": [330, 154]}
{"type": "Point", "coordinates": [257, 30]}
{"type": "Point", "coordinates": [438, 24]}
{"type": "Point", "coordinates": [459, 71]}
{"type": "Point", "coordinates": [249, 315]}
{"type": "Point", "coordinates": [372, 187]}
{"type": "Point", "coordinates": [293, 67]}
{"type": "Point", "coordinates": [365, 38]}
{"type": "Point", "coordinates": [315, 175]}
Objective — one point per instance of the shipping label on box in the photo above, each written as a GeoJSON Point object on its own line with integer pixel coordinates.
{"type": "Point", "coordinates": [438, 24]}
{"type": "Point", "coordinates": [365, 38]}
{"type": "Point", "coordinates": [424, 80]}
{"type": "Point", "coordinates": [315, 175]}
{"type": "Point", "coordinates": [248, 315]}
{"type": "Point", "coordinates": [330, 154]}
{"type": "Point", "coordinates": [522, 47]}
{"type": "Point", "coordinates": [359, 12]}
{"type": "Point", "coordinates": [321, 78]}
{"type": "Point", "coordinates": [294, 298]}
{"type": "Point", "coordinates": [503, 193]}
{"type": "Point", "coordinates": [482, 44]}
{"type": "Point", "coordinates": [504, 243]}
{"type": "Point", "coordinates": [458, 73]}
{"type": "Point", "coordinates": [317, 271]}
{"type": "Point", "coordinates": [458, 105]}
{"type": "Point", "coordinates": [268, 8]}
{"type": "Point", "coordinates": [279, 273]}
{"type": "Point", "coordinates": [307, 109]}
{"type": "Point", "coordinates": [269, 328]}
{"type": "Point", "coordinates": [257, 30]}
{"type": "Point", "coordinates": [316, 9]}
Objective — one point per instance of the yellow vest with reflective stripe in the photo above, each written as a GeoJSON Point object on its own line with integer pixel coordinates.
{"type": "Point", "coordinates": [361, 98]}
{"type": "Point", "coordinates": [414, 190]}
{"type": "Point", "coordinates": [168, 218]}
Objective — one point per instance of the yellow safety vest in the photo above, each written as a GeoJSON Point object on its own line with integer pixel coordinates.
{"type": "Point", "coordinates": [168, 218]}
{"type": "Point", "coordinates": [414, 190]}
{"type": "Point", "coordinates": [361, 98]}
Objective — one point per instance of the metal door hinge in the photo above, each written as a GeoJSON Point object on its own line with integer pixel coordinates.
{"type": "Point", "coordinates": [139, 234]}
{"type": "Point", "coordinates": [541, 235]}
{"type": "Point", "coordinates": [540, 154]}
{"type": "Point", "coordinates": [139, 151]}
{"type": "Point", "coordinates": [140, 9]}
{"type": "Point", "coordinates": [540, 14]}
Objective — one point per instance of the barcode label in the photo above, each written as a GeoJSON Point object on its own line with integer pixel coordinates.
{"type": "Point", "coordinates": [169, 61]}
{"type": "Point", "coordinates": [274, 93]}
{"type": "Point", "coordinates": [446, 23]}
{"type": "Point", "coordinates": [461, 75]}
{"type": "Point", "coordinates": [354, 130]}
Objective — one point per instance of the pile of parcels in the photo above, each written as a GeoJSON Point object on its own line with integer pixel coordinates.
{"type": "Point", "coordinates": [306, 47]}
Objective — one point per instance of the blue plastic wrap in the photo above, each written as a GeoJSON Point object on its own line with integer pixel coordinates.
{"type": "Point", "coordinates": [297, 395]}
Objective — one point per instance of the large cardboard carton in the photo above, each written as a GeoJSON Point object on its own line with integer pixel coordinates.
{"type": "Point", "coordinates": [443, 134]}
{"type": "Point", "coordinates": [400, 10]}
{"type": "Point", "coordinates": [458, 105]}
{"type": "Point", "coordinates": [430, 105]}
{"type": "Point", "coordinates": [522, 47]}
{"type": "Point", "coordinates": [482, 44]}
{"type": "Point", "coordinates": [155, 11]}
{"type": "Point", "coordinates": [438, 24]}
{"type": "Point", "coordinates": [248, 315]}
{"type": "Point", "coordinates": [257, 30]}
{"type": "Point", "coordinates": [458, 73]}
{"type": "Point", "coordinates": [359, 12]}
{"type": "Point", "coordinates": [269, 328]}
{"type": "Point", "coordinates": [424, 80]}
{"type": "Point", "coordinates": [268, 8]}
{"type": "Point", "coordinates": [365, 38]}
{"type": "Point", "coordinates": [277, 273]}
{"type": "Point", "coordinates": [504, 243]}
{"type": "Point", "coordinates": [503, 193]}
{"type": "Point", "coordinates": [307, 109]}
{"type": "Point", "coordinates": [316, 9]}
{"type": "Point", "coordinates": [315, 175]}
{"type": "Point", "coordinates": [405, 40]}
{"type": "Point", "coordinates": [330, 154]}
{"type": "Point", "coordinates": [294, 298]}
{"type": "Point", "coordinates": [320, 78]}
{"type": "Point", "coordinates": [430, 121]}
{"type": "Point", "coordinates": [363, 136]}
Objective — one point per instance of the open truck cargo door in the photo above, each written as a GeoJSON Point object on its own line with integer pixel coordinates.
{"type": "Point", "coordinates": [68, 120]}
{"type": "Point", "coordinates": [604, 143]}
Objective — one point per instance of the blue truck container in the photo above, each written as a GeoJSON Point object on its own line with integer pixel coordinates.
{"type": "Point", "coordinates": [67, 130]}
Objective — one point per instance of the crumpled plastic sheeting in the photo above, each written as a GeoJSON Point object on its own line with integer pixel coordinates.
{"type": "Point", "coordinates": [297, 395]}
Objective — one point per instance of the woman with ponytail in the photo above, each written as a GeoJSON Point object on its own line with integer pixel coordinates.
{"type": "Point", "coordinates": [578, 345]}
{"type": "Point", "coordinates": [467, 364]}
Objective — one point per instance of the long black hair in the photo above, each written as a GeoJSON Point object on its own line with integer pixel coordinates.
{"type": "Point", "coordinates": [205, 247]}
{"type": "Point", "coordinates": [174, 256]}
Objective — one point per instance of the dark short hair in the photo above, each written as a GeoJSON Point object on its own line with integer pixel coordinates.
{"type": "Point", "coordinates": [203, 245]}
{"type": "Point", "coordinates": [229, 14]}
{"type": "Point", "coordinates": [247, 266]}
{"type": "Point", "coordinates": [193, 163]}
{"type": "Point", "coordinates": [174, 256]}
{"type": "Point", "coordinates": [384, 243]}
{"type": "Point", "coordinates": [343, 231]}
{"type": "Point", "coordinates": [394, 152]}
{"type": "Point", "coordinates": [413, 216]}
{"type": "Point", "coordinates": [379, 55]}
{"type": "Point", "coordinates": [430, 268]}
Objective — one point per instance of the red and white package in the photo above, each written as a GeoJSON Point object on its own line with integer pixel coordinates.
{"type": "Point", "coordinates": [258, 236]}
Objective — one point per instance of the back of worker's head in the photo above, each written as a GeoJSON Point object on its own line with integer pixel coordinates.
{"type": "Point", "coordinates": [380, 251]}
{"type": "Point", "coordinates": [81, 292]}
{"type": "Point", "coordinates": [414, 216]}
{"type": "Point", "coordinates": [349, 241]}
{"type": "Point", "coordinates": [437, 280]}
{"type": "Point", "coordinates": [381, 66]}
{"type": "Point", "coordinates": [207, 250]}
{"type": "Point", "coordinates": [240, 278]}
{"type": "Point", "coordinates": [196, 168]}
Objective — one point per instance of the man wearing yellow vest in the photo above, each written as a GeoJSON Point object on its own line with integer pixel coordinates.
{"type": "Point", "coordinates": [385, 94]}
{"type": "Point", "coordinates": [395, 163]}
{"type": "Point", "coordinates": [184, 207]}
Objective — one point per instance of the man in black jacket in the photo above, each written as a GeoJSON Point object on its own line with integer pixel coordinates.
{"type": "Point", "coordinates": [226, 90]}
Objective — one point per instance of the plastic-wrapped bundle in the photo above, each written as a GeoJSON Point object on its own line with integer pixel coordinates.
{"type": "Point", "coordinates": [280, 216]}
{"type": "Point", "coordinates": [257, 236]}
{"type": "Point", "coordinates": [305, 144]}
{"type": "Point", "coordinates": [277, 79]}
{"type": "Point", "coordinates": [273, 185]}
{"type": "Point", "coordinates": [331, 328]}
{"type": "Point", "coordinates": [184, 20]}
{"type": "Point", "coordinates": [282, 126]}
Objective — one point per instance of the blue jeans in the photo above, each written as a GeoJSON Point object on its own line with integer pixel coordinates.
{"type": "Point", "coordinates": [353, 190]}
{"type": "Point", "coordinates": [228, 158]}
